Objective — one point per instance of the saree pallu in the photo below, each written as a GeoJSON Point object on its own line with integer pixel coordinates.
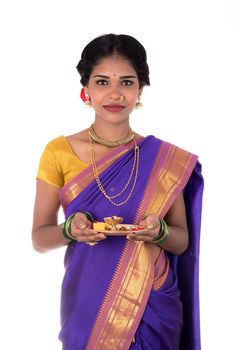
{"type": "Point", "coordinates": [123, 295]}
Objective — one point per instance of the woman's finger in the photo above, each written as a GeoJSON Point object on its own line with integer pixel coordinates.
{"type": "Point", "coordinates": [90, 238]}
{"type": "Point", "coordinates": [139, 237]}
{"type": "Point", "coordinates": [81, 221]}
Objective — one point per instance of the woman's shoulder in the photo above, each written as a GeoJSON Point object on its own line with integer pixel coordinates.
{"type": "Point", "coordinates": [155, 141]}
{"type": "Point", "coordinates": [81, 136]}
{"type": "Point", "coordinates": [57, 143]}
{"type": "Point", "coordinates": [61, 145]}
{"type": "Point", "coordinates": [69, 147]}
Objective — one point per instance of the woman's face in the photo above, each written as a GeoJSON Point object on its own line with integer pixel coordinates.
{"type": "Point", "coordinates": [113, 88]}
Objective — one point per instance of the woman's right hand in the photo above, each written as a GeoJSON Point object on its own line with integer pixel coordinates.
{"type": "Point", "coordinates": [80, 229]}
{"type": "Point", "coordinates": [46, 233]}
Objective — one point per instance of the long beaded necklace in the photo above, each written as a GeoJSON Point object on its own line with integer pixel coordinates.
{"type": "Point", "coordinates": [135, 168]}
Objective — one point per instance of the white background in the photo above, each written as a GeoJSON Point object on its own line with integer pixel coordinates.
{"type": "Point", "coordinates": [190, 47]}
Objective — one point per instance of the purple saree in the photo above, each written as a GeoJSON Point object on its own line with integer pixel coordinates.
{"type": "Point", "coordinates": [122, 295]}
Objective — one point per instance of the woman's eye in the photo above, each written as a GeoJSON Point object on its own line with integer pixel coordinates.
{"type": "Point", "coordinates": [127, 82]}
{"type": "Point", "coordinates": [102, 82]}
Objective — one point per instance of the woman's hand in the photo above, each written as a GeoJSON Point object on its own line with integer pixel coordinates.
{"type": "Point", "coordinates": [152, 225]}
{"type": "Point", "coordinates": [80, 229]}
{"type": "Point", "coordinates": [177, 239]}
{"type": "Point", "coordinates": [46, 233]}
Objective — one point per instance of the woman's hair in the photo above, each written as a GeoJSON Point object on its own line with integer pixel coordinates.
{"type": "Point", "coordinates": [105, 46]}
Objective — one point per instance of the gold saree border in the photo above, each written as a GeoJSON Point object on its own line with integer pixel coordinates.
{"type": "Point", "coordinates": [161, 270]}
{"type": "Point", "coordinates": [117, 320]}
{"type": "Point", "coordinates": [170, 173]}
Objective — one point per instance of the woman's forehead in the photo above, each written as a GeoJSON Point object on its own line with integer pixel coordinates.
{"type": "Point", "coordinates": [114, 66]}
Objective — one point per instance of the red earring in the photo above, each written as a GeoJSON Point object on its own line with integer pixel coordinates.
{"type": "Point", "coordinates": [82, 95]}
{"type": "Point", "coordinates": [85, 98]}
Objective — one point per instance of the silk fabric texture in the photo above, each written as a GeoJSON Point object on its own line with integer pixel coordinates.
{"type": "Point", "coordinates": [117, 294]}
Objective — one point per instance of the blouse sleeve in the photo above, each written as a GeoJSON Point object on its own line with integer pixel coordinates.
{"type": "Point", "coordinates": [49, 169]}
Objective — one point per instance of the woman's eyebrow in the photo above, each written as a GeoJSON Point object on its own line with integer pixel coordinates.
{"type": "Point", "coordinates": [122, 77]}
{"type": "Point", "coordinates": [101, 76]}
{"type": "Point", "coordinates": [128, 77]}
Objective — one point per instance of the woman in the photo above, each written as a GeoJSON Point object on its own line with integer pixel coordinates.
{"type": "Point", "coordinates": [121, 292]}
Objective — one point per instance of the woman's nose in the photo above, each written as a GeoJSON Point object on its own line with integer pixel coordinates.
{"type": "Point", "coordinates": [114, 94]}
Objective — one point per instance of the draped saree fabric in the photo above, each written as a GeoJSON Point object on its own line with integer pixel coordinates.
{"type": "Point", "coordinates": [123, 295]}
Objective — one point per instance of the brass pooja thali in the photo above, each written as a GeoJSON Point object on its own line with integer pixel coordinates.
{"type": "Point", "coordinates": [112, 226]}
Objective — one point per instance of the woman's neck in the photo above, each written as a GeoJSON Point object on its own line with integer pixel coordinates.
{"type": "Point", "coordinates": [110, 131]}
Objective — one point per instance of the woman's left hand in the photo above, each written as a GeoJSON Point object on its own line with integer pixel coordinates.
{"type": "Point", "coordinates": [152, 225]}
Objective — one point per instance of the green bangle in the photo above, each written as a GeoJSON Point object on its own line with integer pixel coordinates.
{"type": "Point", "coordinates": [68, 223]}
{"type": "Point", "coordinates": [163, 233]}
{"type": "Point", "coordinates": [64, 232]}
{"type": "Point", "coordinates": [160, 232]}
{"type": "Point", "coordinates": [66, 226]}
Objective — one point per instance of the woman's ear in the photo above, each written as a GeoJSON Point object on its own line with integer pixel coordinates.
{"type": "Point", "coordinates": [86, 90]}
{"type": "Point", "coordinates": [140, 91]}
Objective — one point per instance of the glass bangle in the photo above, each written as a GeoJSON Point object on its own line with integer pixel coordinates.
{"type": "Point", "coordinates": [64, 232]}
{"type": "Point", "coordinates": [163, 233]}
{"type": "Point", "coordinates": [68, 227]}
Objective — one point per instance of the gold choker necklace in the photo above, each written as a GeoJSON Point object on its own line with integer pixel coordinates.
{"type": "Point", "coordinates": [109, 143]}
{"type": "Point", "coordinates": [135, 168]}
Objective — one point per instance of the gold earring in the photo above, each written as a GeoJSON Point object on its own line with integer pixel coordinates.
{"type": "Point", "coordinates": [139, 104]}
{"type": "Point", "coordinates": [88, 102]}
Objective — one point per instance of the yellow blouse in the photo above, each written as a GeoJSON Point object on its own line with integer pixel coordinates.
{"type": "Point", "coordinates": [58, 163]}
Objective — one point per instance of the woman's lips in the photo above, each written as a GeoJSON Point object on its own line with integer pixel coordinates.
{"type": "Point", "coordinates": [113, 108]}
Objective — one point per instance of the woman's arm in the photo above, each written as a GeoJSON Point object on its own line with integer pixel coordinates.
{"type": "Point", "coordinates": [46, 233]}
{"type": "Point", "coordinates": [178, 239]}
